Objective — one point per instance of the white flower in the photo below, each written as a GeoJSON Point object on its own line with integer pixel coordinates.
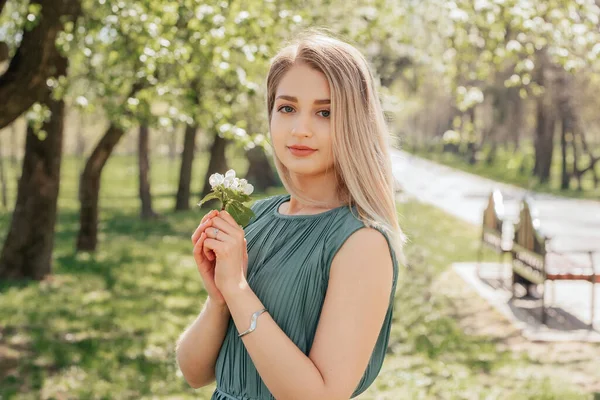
{"type": "Point", "coordinates": [230, 173]}
{"type": "Point", "coordinates": [216, 180]}
{"type": "Point", "coordinates": [228, 181]}
{"type": "Point", "coordinates": [235, 185]}
{"type": "Point", "coordinates": [248, 189]}
{"type": "Point", "coordinates": [243, 182]}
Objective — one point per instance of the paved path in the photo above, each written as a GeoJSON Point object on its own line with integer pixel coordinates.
{"type": "Point", "coordinates": [572, 223]}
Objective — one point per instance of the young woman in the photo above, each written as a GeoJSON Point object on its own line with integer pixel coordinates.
{"type": "Point", "coordinates": [300, 300]}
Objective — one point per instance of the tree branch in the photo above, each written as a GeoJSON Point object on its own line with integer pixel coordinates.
{"type": "Point", "coordinates": [2, 4]}
{"type": "Point", "coordinates": [36, 59]}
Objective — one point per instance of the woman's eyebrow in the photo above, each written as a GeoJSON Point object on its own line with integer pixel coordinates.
{"type": "Point", "coordinates": [295, 100]}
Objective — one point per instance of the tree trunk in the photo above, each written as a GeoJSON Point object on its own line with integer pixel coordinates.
{"type": "Point", "coordinates": [3, 184]}
{"type": "Point", "coordinates": [89, 188]}
{"type": "Point", "coordinates": [260, 173]}
{"type": "Point", "coordinates": [544, 141]}
{"type": "Point", "coordinates": [80, 138]}
{"type": "Point", "coordinates": [36, 60]}
{"type": "Point", "coordinates": [13, 147]}
{"type": "Point", "coordinates": [565, 176]}
{"type": "Point", "coordinates": [544, 132]}
{"type": "Point", "coordinates": [472, 141]}
{"type": "Point", "coordinates": [185, 173]}
{"type": "Point", "coordinates": [89, 182]}
{"type": "Point", "coordinates": [575, 160]}
{"type": "Point", "coordinates": [217, 163]}
{"type": "Point", "coordinates": [27, 251]}
{"type": "Point", "coordinates": [144, 170]}
{"type": "Point", "coordinates": [515, 116]}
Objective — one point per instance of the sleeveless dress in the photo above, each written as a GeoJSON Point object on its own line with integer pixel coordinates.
{"type": "Point", "coordinates": [289, 257]}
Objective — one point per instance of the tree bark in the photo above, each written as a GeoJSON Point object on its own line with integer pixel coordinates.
{"type": "Point", "coordinates": [13, 146]}
{"type": "Point", "coordinates": [89, 183]}
{"type": "Point", "coordinates": [144, 170]}
{"type": "Point", "coordinates": [544, 141]}
{"type": "Point", "coordinates": [565, 176]}
{"type": "Point", "coordinates": [24, 82]}
{"type": "Point", "coordinates": [27, 252]}
{"type": "Point", "coordinates": [260, 172]}
{"type": "Point", "coordinates": [575, 162]}
{"type": "Point", "coordinates": [217, 163]}
{"type": "Point", "coordinates": [544, 132]}
{"type": "Point", "coordinates": [3, 178]}
{"type": "Point", "coordinates": [89, 188]}
{"type": "Point", "coordinates": [182, 201]}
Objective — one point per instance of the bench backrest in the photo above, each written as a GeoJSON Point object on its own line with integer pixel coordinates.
{"type": "Point", "coordinates": [493, 213]}
{"type": "Point", "coordinates": [527, 233]}
{"type": "Point", "coordinates": [529, 248]}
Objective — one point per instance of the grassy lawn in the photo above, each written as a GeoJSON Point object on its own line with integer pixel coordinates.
{"type": "Point", "coordinates": [105, 325]}
{"type": "Point", "coordinates": [506, 169]}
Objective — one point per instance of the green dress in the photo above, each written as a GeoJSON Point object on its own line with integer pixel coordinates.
{"type": "Point", "coordinates": [289, 257]}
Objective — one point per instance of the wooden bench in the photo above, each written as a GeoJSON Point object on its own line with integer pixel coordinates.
{"type": "Point", "coordinates": [534, 263]}
{"type": "Point", "coordinates": [492, 228]}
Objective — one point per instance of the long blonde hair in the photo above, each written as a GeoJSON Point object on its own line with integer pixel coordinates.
{"type": "Point", "coordinates": [360, 137]}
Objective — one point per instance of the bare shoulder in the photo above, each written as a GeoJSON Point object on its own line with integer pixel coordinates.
{"type": "Point", "coordinates": [368, 240]}
{"type": "Point", "coordinates": [365, 248]}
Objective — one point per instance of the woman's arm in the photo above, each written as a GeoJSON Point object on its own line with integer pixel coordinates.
{"type": "Point", "coordinates": [354, 309]}
{"type": "Point", "coordinates": [198, 346]}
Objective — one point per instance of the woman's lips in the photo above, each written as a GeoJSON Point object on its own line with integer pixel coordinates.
{"type": "Point", "coordinates": [301, 152]}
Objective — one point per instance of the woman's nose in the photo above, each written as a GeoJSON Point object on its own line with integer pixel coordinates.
{"type": "Point", "coordinates": [301, 126]}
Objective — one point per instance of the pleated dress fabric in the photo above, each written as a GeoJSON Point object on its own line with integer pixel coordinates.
{"type": "Point", "coordinates": [289, 257]}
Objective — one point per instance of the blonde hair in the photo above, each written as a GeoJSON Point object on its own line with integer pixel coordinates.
{"type": "Point", "coordinates": [360, 137]}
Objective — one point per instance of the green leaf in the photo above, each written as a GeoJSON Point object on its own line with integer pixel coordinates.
{"type": "Point", "coordinates": [210, 196]}
{"type": "Point", "coordinates": [240, 213]}
{"type": "Point", "coordinates": [235, 195]}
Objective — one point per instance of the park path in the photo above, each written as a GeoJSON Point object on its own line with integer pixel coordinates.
{"type": "Point", "coordinates": [573, 224]}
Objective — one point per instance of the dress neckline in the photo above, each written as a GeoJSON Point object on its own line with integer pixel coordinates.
{"type": "Point", "coordinates": [286, 197]}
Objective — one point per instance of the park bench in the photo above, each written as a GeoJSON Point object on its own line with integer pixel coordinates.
{"type": "Point", "coordinates": [492, 229]}
{"type": "Point", "coordinates": [533, 262]}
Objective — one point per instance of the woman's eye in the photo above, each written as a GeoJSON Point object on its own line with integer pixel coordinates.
{"type": "Point", "coordinates": [326, 113]}
{"type": "Point", "coordinates": [288, 109]}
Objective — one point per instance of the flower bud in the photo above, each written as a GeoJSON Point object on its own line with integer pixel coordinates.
{"type": "Point", "coordinates": [248, 189]}
{"type": "Point", "coordinates": [230, 173]}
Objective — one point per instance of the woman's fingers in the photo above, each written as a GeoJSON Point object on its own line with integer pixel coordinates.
{"type": "Point", "coordinates": [222, 226]}
{"type": "Point", "coordinates": [200, 227]}
{"type": "Point", "coordinates": [228, 218]}
{"type": "Point", "coordinates": [198, 247]}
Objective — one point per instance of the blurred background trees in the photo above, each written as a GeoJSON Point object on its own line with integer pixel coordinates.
{"type": "Point", "coordinates": [507, 84]}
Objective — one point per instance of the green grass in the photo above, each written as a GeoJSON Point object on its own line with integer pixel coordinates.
{"type": "Point", "coordinates": [506, 168]}
{"type": "Point", "coordinates": [105, 326]}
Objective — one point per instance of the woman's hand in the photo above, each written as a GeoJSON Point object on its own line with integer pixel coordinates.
{"type": "Point", "coordinates": [229, 246]}
{"type": "Point", "coordinates": [205, 259]}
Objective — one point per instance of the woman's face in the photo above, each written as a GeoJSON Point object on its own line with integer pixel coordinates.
{"type": "Point", "coordinates": [301, 117]}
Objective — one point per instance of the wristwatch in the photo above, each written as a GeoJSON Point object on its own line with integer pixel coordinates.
{"type": "Point", "coordinates": [253, 322]}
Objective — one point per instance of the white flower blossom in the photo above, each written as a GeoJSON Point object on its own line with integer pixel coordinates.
{"type": "Point", "coordinates": [228, 181]}
{"type": "Point", "coordinates": [216, 180]}
{"type": "Point", "coordinates": [248, 189]}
